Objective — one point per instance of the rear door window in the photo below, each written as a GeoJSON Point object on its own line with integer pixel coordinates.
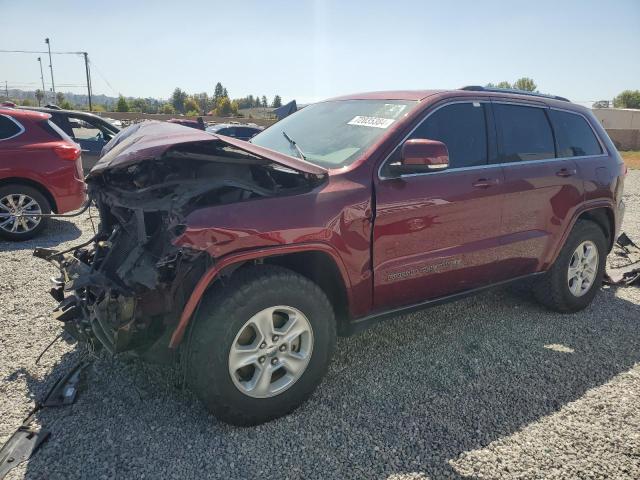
{"type": "Point", "coordinates": [8, 128]}
{"type": "Point", "coordinates": [524, 133]}
{"type": "Point", "coordinates": [574, 136]}
{"type": "Point", "coordinates": [462, 127]}
{"type": "Point", "coordinates": [83, 130]}
{"type": "Point", "coordinates": [246, 132]}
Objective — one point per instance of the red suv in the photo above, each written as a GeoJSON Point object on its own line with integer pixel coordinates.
{"type": "Point", "coordinates": [243, 260]}
{"type": "Point", "coordinates": [40, 172]}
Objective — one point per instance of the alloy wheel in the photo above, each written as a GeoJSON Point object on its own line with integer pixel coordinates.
{"type": "Point", "coordinates": [271, 351]}
{"type": "Point", "coordinates": [15, 213]}
{"type": "Point", "coordinates": [583, 268]}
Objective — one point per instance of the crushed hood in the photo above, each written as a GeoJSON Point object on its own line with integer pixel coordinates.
{"type": "Point", "coordinates": [151, 139]}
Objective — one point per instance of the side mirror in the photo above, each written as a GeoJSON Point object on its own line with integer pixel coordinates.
{"type": "Point", "coordinates": [421, 155]}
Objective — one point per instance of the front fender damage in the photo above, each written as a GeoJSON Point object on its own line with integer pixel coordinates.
{"type": "Point", "coordinates": [126, 287]}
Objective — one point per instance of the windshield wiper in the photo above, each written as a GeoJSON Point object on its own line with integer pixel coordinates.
{"type": "Point", "coordinates": [294, 145]}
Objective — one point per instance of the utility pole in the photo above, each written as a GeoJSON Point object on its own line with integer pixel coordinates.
{"type": "Point", "coordinates": [44, 91]}
{"type": "Point", "coordinates": [53, 85]}
{"type": "Point", "coordinates": [86, 67]}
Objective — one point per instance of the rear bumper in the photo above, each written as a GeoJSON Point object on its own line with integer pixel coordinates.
{"type": "Point", "coordinates": [73, 198]}
{"type": "Point", "coordinates": [619, 217]}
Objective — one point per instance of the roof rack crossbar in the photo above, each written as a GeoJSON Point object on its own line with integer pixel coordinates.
{"type": "Point", "coordinates": [478, 88]}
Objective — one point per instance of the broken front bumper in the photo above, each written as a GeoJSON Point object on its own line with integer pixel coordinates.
{"type": "Point", "coordinates": [97, 308]}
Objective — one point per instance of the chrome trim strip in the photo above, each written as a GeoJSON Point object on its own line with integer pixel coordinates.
{"type": "Point", "coordinates": [22, 129]}
{"type": "Point", "coordinates": [459, 169]}
{"type": "Point", "coordinates": [491, 165]}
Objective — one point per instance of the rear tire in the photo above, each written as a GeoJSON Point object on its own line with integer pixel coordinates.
{"type": "Point", "coordinates": [18, 197]}
{"type": "Point", "coordinates": [576, 275]}
{"type": "Point", "coordinates": [225, 324]}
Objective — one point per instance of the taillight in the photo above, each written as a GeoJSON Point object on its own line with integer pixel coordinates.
{"type": "Point", "coordinates": [67, 152]}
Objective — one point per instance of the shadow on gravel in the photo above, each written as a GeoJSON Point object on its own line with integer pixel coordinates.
{"type": "Point", "coordinates": [39, 387]}
{"type": "Point", "coordinates": [406, 396]}
{"type": "Point", "coordinates": [57, 232]}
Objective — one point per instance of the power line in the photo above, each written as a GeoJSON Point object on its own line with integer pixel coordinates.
{"type": "Point", "coordinates": [49, 52]}
{"type": "Point", "coordinates": [34, 84]}
{"type": "Point", "coordinates": [33, 51]}
{"type": "Point", "coordinates": [103, 77]}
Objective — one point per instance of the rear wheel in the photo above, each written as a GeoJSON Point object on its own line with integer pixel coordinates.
{"type": "Point", "coordinates": [575, 277]}
{"type": "Point", "coordinates": [260, 344]}
{"type": "Point", "coordinates": [17, 202]}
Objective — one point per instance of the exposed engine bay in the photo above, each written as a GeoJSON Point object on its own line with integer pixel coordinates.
{"type": "Point", "coordinates": [126, 287]}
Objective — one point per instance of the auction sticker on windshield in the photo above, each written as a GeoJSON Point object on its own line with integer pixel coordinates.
{"type": "Point", "coordinates": [376, 122]}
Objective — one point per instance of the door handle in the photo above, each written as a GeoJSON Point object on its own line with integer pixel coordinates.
{"type": "Point", "coordinates": [485, 182]}
{"type": "Point", "coordinates": [566, 172]}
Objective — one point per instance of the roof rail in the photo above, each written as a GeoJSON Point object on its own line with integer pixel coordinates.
{"type": "Point", "coordinates": [478, 88]}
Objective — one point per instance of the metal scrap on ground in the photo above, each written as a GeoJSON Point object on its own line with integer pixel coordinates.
{"type": "Point", "coordinates": [27, 438]}
{"type": "Point", "coordinates": [625, 263]}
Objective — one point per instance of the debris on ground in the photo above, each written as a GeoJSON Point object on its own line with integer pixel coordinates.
{"type": "Point", "coordinates": [28, 438]}
{"type": "Point", "coordinates": [21, 445]}
{"type": "Point", "coordinates": [624, 262]}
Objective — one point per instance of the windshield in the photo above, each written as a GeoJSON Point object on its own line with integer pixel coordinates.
{"type": "Point", "coordinates": [333, 134]}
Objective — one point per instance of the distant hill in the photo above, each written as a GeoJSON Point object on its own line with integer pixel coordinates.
{"type": "Point", "coordinates": [73, 98]}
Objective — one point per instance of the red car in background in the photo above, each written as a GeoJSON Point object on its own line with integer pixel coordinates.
{"type": "Point", "coordinates": [40, 172]}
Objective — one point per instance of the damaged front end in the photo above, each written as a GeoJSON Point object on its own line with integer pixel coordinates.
{"type": "Point", "coordinates": [126, 287]}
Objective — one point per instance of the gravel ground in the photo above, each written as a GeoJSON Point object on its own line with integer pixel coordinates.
{"type": "Point", "coordinates": [489, 387]}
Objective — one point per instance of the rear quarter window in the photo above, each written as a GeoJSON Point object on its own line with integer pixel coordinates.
{"type": "Point", "coordinates": [574, 136]}
{"type": "Point", "coordinates": [524, 133]}
{"type": "Point", "coordinates": [54, 130]}
{"type": "Point", "coordinates": [8, 128]}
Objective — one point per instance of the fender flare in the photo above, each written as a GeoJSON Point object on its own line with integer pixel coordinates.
{"type": "Point", "coordinates": [214, 271]}
{"type": "Point", "coordinates": [594, 205]}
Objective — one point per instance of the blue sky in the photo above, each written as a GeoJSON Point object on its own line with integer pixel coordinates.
{"type": "Point", "coordinates": [310, 50]}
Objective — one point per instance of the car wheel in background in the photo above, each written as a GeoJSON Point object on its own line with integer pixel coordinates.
{"type": "Point", "coordinates": [16, 203]}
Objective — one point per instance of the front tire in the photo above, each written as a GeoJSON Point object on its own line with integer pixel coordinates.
{"type": "Point", "coordinates": [576, 275]}
{"type": "Point", "coordinates": [260, 344]}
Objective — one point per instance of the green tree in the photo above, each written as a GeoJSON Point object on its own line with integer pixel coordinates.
{"type": "Point", "coordinates": [138, 105]}
{"type": "Point", "coordinates": [223, 107]}
{"type": "Point", "coordinates": [503, 84]}
{"type": "Point", "coordinates": [190, 105]}
{"type": "Point", "coordinates": [167, 109]}
{"type": "Point", "coordinates": [59, 98]}
{"type": "Point", "coordinates": [97, 107]}
{"type": "Point", "coordinates": [27, 102]}
{"type": "Point", "coordinates": [265, 104]}
{"type": "Point", "coordinates": [203, 101]}
{"type": "Point", "coordinates": [234, 107]}
{"type": "Point", "coordinates": [122, 105]}
{"type": "Point", "coordinates": [277, 101]}
{"type": "Point", "coordinates": [225, 93]}
{"type": "Point", "coordinates": [66, 105]}
{"type": "Point", "coordinates": [627, 99]}
{"type": "Point", "coordinates": [178, 97]}
{"type": "Point", "coordinates": [218, 93]}
{"type": "Point", "coordinates": [525, 83]}
{"type": "Point", "coordinates": [39, 96]}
